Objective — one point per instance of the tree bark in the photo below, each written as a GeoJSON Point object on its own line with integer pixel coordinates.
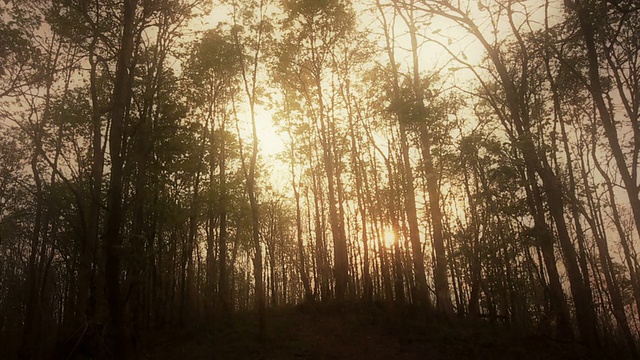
{"type": "Point", "coordinates": [113, 237]}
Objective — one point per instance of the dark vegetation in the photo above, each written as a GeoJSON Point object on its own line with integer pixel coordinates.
{"type": "Point", "coordinates": [348, 179]}
{"type": "Point", "coordinates": [361, 331]}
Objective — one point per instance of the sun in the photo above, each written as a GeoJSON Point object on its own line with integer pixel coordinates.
{"type": "Point", "coordinates": [389, 238]}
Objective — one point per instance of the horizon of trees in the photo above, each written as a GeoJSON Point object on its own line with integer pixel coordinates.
{"type": "Point", "coordinates": [134, 194]}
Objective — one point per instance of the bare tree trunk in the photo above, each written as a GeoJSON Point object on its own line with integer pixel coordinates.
{"type": "Point", "coordinates": [475, 267]}
{"type": "Point", "coordinates": [224, 292]}
{"type": "Point", "coordinates": [597, 92]}
{"type": "Point", "coordinates": [380, 220]}
{"type": "Point", "coordinates": [188, 264]}
{"type": "Point", "coordinates": [443, 296]}
{"type": "Point", "coordinates": [30, 338]}
{"type": "Point", "coordinates": [362, 207]}
{"type": "Point", "coordinates": [113, 237]}
{"type": "Point", "coordinates": [211, 268]}
{"type": "Point", "coordinates": [558, 305]}
{"type": "Point", "coordinates": [422, 295]}
{"type": "Point", "coordinates": [606, 263]}
{"type": "Point", "coordinates": [86, 272]}
{"type": "Point", "coordinates": [398, 269]}
{"type": "Point", "coordinates": [382, 249]}
{"type": "Point", "coordinates": [630, 259]}
{"type": "Point", "coordinates": [341, 260]}
{"type": "Point", "coordinates": [535, 162]}
{"type": "Point", "coordinates": [304, 275]}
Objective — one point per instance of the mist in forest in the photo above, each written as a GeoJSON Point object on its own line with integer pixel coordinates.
{"type": "Point", "coordinates": [319, 179]}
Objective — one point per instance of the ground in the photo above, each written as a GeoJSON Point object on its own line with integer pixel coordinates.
{"type": "Point", "coordinates": [356, 332]}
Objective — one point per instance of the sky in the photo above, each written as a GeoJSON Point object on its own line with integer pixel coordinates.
{"type": "Point", "coordinates": [433, 57]}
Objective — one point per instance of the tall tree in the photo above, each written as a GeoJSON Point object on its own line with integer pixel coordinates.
{"type": "Point", "coordinates": [312, 31]}
{"type": "Point", "coordinates": [408, 178]}
{"type": "Point", "coordinates": [516, 90]}
{"type": "Point", "coordinates": [113, 236]}
{"type": "Point", "coordinates": [251, 32]}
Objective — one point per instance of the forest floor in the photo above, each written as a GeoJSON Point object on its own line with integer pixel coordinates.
{"type": "Point", "coordinates": [356, 332]}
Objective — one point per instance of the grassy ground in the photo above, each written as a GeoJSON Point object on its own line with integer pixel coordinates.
{"type": "Point", "coordinates": [355, 332]}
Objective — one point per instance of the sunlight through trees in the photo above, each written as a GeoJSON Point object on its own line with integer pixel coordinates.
{"type": "Point", "coordinates": [173, 163]}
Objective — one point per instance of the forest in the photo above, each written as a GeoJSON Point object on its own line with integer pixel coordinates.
{"type": "Point", "coordinates": [184, 164]}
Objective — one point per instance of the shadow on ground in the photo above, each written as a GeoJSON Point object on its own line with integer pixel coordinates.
{"type": "Point", "coordinates": [356, 332]}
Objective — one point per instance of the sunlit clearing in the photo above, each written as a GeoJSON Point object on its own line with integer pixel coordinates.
{"type": "Point", "coordinates": [389, 238]}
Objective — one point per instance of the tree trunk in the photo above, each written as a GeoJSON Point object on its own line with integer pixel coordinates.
{"type": "Point", "coordinates": [113, 237]}
{"type": "Point", "coordinates": [422, 295]}
{"type": "Point", "coordinates": [223, 283]}
{"type": "Point", "coordinates": [443, 296]}
{"type": "Point", "coordinates": [597, 92]}
{"type": "Point", "coordinates": [304, 275]}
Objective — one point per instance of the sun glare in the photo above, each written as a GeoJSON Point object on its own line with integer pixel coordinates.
{"type": "Point", "coordinates": [389, 238]}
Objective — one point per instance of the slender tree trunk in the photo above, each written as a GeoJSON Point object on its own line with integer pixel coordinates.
{"type": "Point", "coordinates": [476, 268]}
{"type": "Point", "coordinates": [398, 269]}
{"type": "Point", "coordinates": [304, 275]}
{"type": "Point", "coordinates": [211, 269]}
{"type": "Point", "coordinates": [597, 92]}
{"type": "Point", "coordinates": [341, 260]}
{"type": "Point", "coordinates": [558, 305]}
{"type": "Point", "coordinates": [86, 273]}
{"type": "Point", "coordinates": [30, 339]}
{"type": "Point", "coordinates": [422, 295]}
{"type": "Point", "coordinates": [630, 259]}
{"type": "Point", "coordinates": [443, 296]}
{"type": "Point", "coordinates": [224, 290]}
{"type": "Point", "coordinates": [368, 286]}
{"type": "Point", "coordinates": [382, 248]}
{"type": "Point", "coordinates": [113, 237]}
{"type": "Point", "coordinates": [255, 234]}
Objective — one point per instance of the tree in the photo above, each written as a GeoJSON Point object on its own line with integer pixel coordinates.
{"type": "Point", "coordinates": [408, 183]}
{"type": "Point", "coordinates": [214, 68]}
{"type": "Point", "coordinates": [312, 30]}
{"type": "Point", "coordinates": [251, 31]}
{"type": "Point", "coordinates": [519, 126]}
{"type": "Point", "coordinates": [113, 237]}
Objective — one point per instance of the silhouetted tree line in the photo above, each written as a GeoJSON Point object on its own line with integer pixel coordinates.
{"type": "Point", "coordinates": [135, 192]}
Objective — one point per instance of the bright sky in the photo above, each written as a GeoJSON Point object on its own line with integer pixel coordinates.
{"type": "Point", "coordinates": [269, 142]}
{"type": "Point", "coordinates": [433, 57]}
